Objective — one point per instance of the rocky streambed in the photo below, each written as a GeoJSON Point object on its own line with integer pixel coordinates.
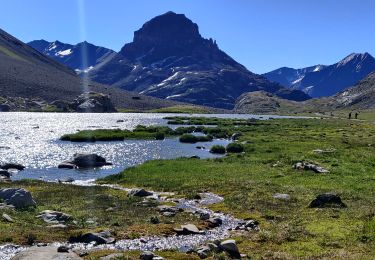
{"type": "Point", "coordinates": [191, 239]}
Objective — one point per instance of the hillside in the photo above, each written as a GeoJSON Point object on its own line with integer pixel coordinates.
{"type": "Point", "coordinates": [27, 74]}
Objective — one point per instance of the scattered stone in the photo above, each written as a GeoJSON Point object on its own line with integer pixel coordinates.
{"type": "Point", "coordinates": [16, 166]}
{"type": "Point", "coordinates": [41, 244]}
{"type": "Point", "coordinates": [112, 256]}
{"type": "Point", "coordinates": [214, 222]}
{"type": "Point", "coordinates": [281, 196]}
{"type": "Point", "coordinates": [195, 157]}
{"type": "Point", "coordinates": [54, 217]}
{"type": "Point", "coordinates": [18, 197]}
{"type": "Point", "coordinates": [140, 193]}
{"type": "Point", "coordinates": [103, 237]}
{"type": "Point", "coordinates": [231, 248]}
{"type": "Point", "coordinates": [204, 216]}
{"type": "Point", "coordinates": [120, 121]}
{"type": "Point", "coordinates": [7, 218]}
{"type": "Point", "coordinates": [309, 166]}
{"type": "Point", "coordinates": [200, 147]}
{"type": "Point", "coordinates": [203, 252]}
{"type": "Point", "coordinates": [248, 225]}
{"type": "Point", "coordinates": [89, 161]}
{"type": "Point", "coordinates": [67, 165]}
{"type": "Point", "coordinates": [327, 200]}
{"type": "Point", "coordinates": [188, 230]}
{"type": "Point", "coordinates": [214, 247]}
{"type": "Point", "coordinates": [110, 209]}
{"type": "Point", "coordinates": [63, 249]}
{"type": "Point", "coordinates": [320, 151]}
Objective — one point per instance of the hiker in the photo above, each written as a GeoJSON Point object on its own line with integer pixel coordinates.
{"type": "Point", "coordinates": [350, 115]}
{"type": "Point", "coordinates": [356, 115]}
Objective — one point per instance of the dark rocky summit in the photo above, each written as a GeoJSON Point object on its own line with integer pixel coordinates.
{"type": "Point", "coordinates": [169, 59]}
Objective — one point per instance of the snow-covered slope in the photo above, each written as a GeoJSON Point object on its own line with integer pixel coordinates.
{"type": "Point", "coordinates": [81, 57]}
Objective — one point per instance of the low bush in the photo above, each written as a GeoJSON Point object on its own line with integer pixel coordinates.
{"type": "Point", "coordinates": [219, 149]}
{"type": "Point", "coordinates": [235, 148]}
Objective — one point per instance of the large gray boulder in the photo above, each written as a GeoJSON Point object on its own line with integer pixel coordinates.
{"type": "Point", "coordinates": [54, 217]}
{"type": "Point", "coordinates": [17, 197]}
{"type": "Point", "coordinates": [92, 102]}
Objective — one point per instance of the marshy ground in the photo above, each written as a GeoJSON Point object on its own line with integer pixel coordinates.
{"type": "Point", "coordinates": [248, 181]}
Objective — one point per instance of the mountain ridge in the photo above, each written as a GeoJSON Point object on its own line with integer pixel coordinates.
{"type": "Point", "coordinates": [327, 80]}
{"type": "Point", "coordinates": [73, 56]}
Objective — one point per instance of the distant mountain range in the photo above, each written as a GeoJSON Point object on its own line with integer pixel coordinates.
{"type": "Point", "coordinates": [323, 81]}
{"type": "Point", "coordinates": [169, 59]}
{"type": "Point", "coordinates": [28, 74]}
{"type": "Point", "coordinates": [81, 57]}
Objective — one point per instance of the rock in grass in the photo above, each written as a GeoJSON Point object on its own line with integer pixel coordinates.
{"type": "Point", "coordinates": [16, 166]}
{"type": "Point", "coordinates": [140, 193]}
{"type": "Point", "coordinates": [89, 161]}
{"type": "Point", "coordinates": [54, 217]}
{"type": "Point", "coordinates": [281, 196]}
{"type": "Point", "coordinates": [18, 197]}
{"type": "Point", "coordinates": [231, 248]}
{"type": "Point", "coordinates": [188, 230]}
{"type": "Point", "coordinates": [7, 218]}
{"type": "Point", "coordinates": [203, 252]}
{"type": "Point", "coordinates": [310, 166]}
{"type": "Point", "coordinates": [103, 237]}
{"type": "Point", "coordinates": [327, 200]}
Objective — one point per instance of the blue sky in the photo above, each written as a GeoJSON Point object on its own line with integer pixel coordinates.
{"type": "Point", "coordinates": [261, 34]}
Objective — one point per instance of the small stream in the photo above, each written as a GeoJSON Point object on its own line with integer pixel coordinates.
{"type": "Point", "coordinates": [182, 243]}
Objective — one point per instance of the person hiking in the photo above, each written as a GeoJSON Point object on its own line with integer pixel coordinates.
{"type": "Point", "coordinates": [350, 115]}
{"type": "Point", "coordinates": [356, 115]}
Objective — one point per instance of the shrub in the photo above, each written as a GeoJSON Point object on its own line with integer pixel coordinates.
{"type": "Point", "coordinates": [159, 136]}
{"type": "Point", "coordinates": [189, 138]}
{"type": "Point", "coordinates": [219, 149]}
{"type": "Point", "coordinates": [235, 148]}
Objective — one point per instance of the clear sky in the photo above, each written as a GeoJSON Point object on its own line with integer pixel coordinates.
{"type": "Point", "coordinates": [261, 34]}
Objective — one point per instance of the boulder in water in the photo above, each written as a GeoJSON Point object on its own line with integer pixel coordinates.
{"type": "Point", "coordinates": [89, 161]}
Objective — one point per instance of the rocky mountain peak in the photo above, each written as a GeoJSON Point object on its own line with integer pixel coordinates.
{"type": "Point", "coordinates": [166, 27]}
{"type": "Point", "coordinates": [355, 58]}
